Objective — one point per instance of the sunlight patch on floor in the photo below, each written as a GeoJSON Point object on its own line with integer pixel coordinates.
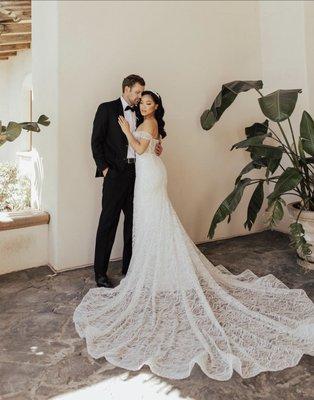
{"type": "Point", "coordinates": [140, 387]}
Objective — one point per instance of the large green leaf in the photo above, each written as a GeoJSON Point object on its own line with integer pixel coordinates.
{"type": "Point", "coordinates": [266, 150]}
{"type": "Point", "coordinates": [30, 126]}
{"type": "Point", "coordinates": [267, 155]}
{"type": "Point", "coordinates": [255, 205]}
{"type": "Point", "coordinates": [13, 131]}
{"type": "Point", "coordinates": [272, 165]}
{"type": "Point", "coordinates": [307, 133]}
{"type": "Point", "coordinates": [251, 141]}
{"type": "Point", "coordinates": [301, 150]}
{"type": "Point", "coordinates": [255, 164]}
{"type": "Point", "coordinates": [224, 99]}
{"type": "Point", "coordinates": [279, 105]}
{"type": "Point", "coordinates": [297, 239]}
{"type": "Point", "coordinates": [257, 129]}
{"type": "Point", "coordinates": [276, 212]}
{"type": "Point", "coordinates": [228, 205]}
{"type": "Point", "coordinates": [289, 179]}
{"type": "Point", "coordinates": [43, 120]}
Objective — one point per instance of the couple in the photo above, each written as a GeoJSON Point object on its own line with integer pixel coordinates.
{"type": "Point", "coordinates": [174, 308]}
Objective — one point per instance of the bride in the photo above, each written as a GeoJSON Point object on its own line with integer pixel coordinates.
{"type": "Point", "coordinates": [175, 308]}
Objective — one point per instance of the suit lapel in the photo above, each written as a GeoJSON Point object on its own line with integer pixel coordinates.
{"type": "Point", "coordinates": [119, 109]}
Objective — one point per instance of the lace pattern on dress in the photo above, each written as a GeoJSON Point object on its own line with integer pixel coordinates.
{"type": "Point", "coordinates": [175, 308]}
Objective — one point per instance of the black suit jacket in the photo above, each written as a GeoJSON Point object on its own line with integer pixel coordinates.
{"type": "Point", "coordinates": [109, 144]}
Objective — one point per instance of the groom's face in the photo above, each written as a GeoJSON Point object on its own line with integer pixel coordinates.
{"type": "Point", "coordinates": [134, 93]}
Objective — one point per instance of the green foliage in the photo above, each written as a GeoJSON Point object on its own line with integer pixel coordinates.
{"type": "Point", "coordinates": [228, 205]}
{"type": "Point", "coordinates": [279, 105]}
{"type": "Point", "coordinates": [255, 205]}
{"type": "Point", "coordinates": [288, 180]}
{"type": "Point", "coordinates": [225, 98]}
{"type": "Point", "coordinates": [275, 212]}
{"type": "Point", "coordinates": [13, 130]}
{"type": "Point", "coordinates": [297, 179]}
{"type": "Point", "coordinates": [307, 134]}
{"type": "Point", "coordinates": [15, 189]}
{"type": "Point", "coordinates": [298, 240]}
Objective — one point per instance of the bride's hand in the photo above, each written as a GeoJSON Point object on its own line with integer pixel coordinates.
{"type": "Point", "coordinates": [125, 126]}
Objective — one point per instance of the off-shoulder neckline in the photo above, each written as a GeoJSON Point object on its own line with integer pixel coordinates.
{"type": "Point", "coordinates": [148, 133]}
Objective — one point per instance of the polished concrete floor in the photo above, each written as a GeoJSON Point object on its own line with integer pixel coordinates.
{"type": "Point", "coordinates": [42, 357]}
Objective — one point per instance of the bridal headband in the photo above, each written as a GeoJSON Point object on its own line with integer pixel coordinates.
{"type": "Point", "coordinates": [156, 93]}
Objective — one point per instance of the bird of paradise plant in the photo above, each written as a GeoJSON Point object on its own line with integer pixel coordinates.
{"type": "Point", "coordinates": [297, 178]}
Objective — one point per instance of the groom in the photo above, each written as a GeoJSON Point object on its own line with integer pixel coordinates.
{"type": "Point", "coordinates": [115, 160]}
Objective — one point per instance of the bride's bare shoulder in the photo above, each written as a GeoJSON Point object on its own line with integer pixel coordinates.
{"type": "Point", "coordinates": [150, 126]}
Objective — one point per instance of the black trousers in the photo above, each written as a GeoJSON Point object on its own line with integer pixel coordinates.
{"type": "Point", "coordinates": [117, 195]}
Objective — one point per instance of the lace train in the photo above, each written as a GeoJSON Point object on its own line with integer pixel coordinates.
{"type": "Point", "coordinates": [175, 308]}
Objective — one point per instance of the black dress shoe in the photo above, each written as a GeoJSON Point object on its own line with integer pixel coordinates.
{"type": "Point", "coordinates": [103, 281]}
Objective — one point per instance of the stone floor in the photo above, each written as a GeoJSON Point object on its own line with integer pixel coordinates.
{"type": "Point", "coordinates": [42, 357]}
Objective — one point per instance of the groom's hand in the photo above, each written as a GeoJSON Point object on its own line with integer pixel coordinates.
{"type": "Point", "coordinates": [158, 149]}
{"type": "Point", "coordinates": [105, 171]}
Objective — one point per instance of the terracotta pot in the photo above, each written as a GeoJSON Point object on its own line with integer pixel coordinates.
{"type": "Point", "coordinates": [307, 220]}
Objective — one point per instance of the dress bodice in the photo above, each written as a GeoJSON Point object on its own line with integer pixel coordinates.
{"type": "Point", "coordinates": [146, 135]}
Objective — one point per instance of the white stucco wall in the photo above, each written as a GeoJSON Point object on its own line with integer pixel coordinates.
{"type": "Point", "coordinates": [23, 248]}
{"type": "Point", "coordinates": [14, 100]}
{"type": "Point", "coordinates": [182, 52]}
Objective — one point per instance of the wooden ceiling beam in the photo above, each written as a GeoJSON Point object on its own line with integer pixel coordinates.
{"type": "Point", "coordinates": [16, 7]}
{"type": "Point", "coordinates": [8, 54]}
{"type": "Point", "coordinates": [15, 28]}
{"type": "Point", "coordinates": [12, 39]}
{"type": "Point", "coordinates": [8, 14]}
{"type": "Point", "coordinates": [16, 2]}
{"type": "Point", "coordinates": [22, 18]}
{"type": "Point", "coordinates": [8, 4]}
{"type": "Point", "coordinates": [12, 47]}
{"type": "Point", "coordinates": [11, 16]}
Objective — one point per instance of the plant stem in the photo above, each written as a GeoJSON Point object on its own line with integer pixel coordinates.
{"type": "Point", "coordinates": [295, 159]}
{"type": "Point", "coordinates": [292, 134]}
{"type": "Point", "coordinates": [295, 194]}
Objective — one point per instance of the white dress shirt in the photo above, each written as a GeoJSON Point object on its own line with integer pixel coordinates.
{"type": "Point", "coordinates": [131, 118]}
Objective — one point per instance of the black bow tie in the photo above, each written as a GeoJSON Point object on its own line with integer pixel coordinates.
{"type": "Point", "coordinates": [129, 108]}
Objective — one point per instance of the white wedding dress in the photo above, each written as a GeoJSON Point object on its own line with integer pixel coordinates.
{"type": "Point", "coordinates": [175, 308]}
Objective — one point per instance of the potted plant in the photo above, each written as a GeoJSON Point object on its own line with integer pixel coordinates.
{"type": "Point", "coordinates": [28, 161]}
{"type": "Point", "coordinates": [297, 178]}
{"type": "Point", "coordinates": [13, 130]}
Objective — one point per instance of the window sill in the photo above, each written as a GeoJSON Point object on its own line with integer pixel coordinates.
{"type": "Point", "coordinates": [22, 219]}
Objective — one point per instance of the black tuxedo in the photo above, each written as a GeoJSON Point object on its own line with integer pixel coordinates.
{"type": "Point", "coordinates": [109, 143]}
{"type": "Point", "coordinates": [109, 147]}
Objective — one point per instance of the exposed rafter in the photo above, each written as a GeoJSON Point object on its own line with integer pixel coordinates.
{"type": "Point", "coordinates": [8, 53]}
{"type": "Point", "coordinates": [13, 47]}
{"type": "Point", "coordinates": [20, 38]}
{"type": "Point", "coordinates": [15, 27]}
{"type": "Point", "coordinates": [21, 27]}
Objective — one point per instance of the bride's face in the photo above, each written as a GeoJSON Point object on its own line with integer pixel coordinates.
{"type": "Point", "coordinates": [147, 106]}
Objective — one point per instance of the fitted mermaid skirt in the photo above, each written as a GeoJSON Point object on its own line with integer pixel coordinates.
{"type": "Point", "coordinates": [175, 308]}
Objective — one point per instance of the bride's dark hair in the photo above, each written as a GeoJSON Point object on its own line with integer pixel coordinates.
{"type": "Point", "coordinates": [159, 113]}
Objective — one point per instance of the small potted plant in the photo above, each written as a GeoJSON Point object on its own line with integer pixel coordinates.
{"type": "Point", "coordinates": [28, 161]}
{"type": "Point", "coordinates": [297, 178]}
{"type": "Point", "coordinates": [13, 130]}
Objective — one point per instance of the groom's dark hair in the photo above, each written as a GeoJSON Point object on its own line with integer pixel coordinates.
{"type": "Point", "coordinates": [131, 80]}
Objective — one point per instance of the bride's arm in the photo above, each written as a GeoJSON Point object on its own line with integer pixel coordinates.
{"type": "Point", "coordinates": [138, 146]}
